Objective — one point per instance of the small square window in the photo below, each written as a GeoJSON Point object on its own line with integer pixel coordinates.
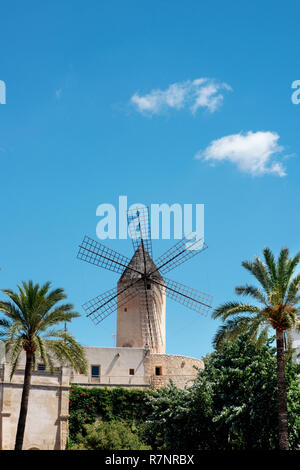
{"type": "Point", "coordinates": [41, 367]}
{"type": "Point", "coordinates": [131, 371]}
{"type": "Point", "coordinates": [125, 309]}
{"type": "Point", "coordinates": [148, 286]}
{"type": "Point", "coordinates": [158, 370]}
{"type": "Point", "coordinates": [95, 372]}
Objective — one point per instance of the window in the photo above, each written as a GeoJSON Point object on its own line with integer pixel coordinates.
{"type": "Point", "coordinates": [148, 286]}
{"type": "Point", "coordinates": [158, 370]}
{"type": "Point", "coordinates": [95, 371]}
{"type": "Point", "coordinates": [41, 367]}
{"type": "Point", "coordinates": [131, 371]}
{"type": "Point", "coordinates": [125, 309]}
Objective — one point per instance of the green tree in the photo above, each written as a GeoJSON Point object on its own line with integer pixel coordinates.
{"type": "Point", "coordinates": [276, 306]}
{"type": "Point", "coordinates": [113, 435]}
{"type": "Point", "coordinates": [179, 420]}
{"type": "Point", "coordinates": [243, 380]}
{"type": "Point", "coordinates": [109, 404]}
{"type": "Point", "coordinates": [31, 324]}
{"type": "Point", "coordinates": [231, 405]}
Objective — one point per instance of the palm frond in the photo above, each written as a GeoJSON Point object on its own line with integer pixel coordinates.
{"type": "Point", "coordinates": [293, 290]}
{"type": "Point", "coordinates": [5, 325]}
{"type": "Point", "coordinates": [230, 330]}
{"type": "Point", "coordinates": [64, 313]}
{"type": "Point", "coordinates": [41, 350]}
{"type": "Point", "coordinates": [281, 268]}
{"type": "Point", "coordinates": [263, 336]}
{"type": "Point", "coordinates": [259, 270]}
{"type": "Point", "coordinates": [14, 349]}
{"type": "Point", "coordinates": [270, 263]}
{"type": "Point", "coordinates": [233, 308]}
{"type": "Point", "coordinates": [291, 265]}
{"type": "Point", "coordinates": [233, 328]}
{"type": "Point", "coordinates": [253, 292]}
{"type": "Point", "coordinates": [14, 297]}
{"type": "Point", "coordinates": [10, 311]}
{"type": "Point", "coordinates": [69, 353]}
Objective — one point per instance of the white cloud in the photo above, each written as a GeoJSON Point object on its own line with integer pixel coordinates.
{"type": "Point", "coordinates": [253, 152]}
{"type": "Point", "coordinates": [199, 93]}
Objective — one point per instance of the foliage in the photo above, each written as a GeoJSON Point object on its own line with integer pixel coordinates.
{"type": "Point", "coordinates": [86, 405]}
{"type": "Point", "coordinates": [231, 406]}
{"type": "Point", "coordinates": [113, 435]}
{"type": "Point", "coordinates": [175, 419]}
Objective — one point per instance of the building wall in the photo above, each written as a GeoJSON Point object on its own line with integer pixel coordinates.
{"type": "Point", "coordinates": [180, 369]}
{"type": "Point", "coordinates": [115, 364]}
{"type": "Point", "coordinates": [47, 418]}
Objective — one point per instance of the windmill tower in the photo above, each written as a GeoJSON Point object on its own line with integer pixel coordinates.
{"type": "Point", "coordinates": [140, 295]}
{"type": "Point", "coordinates": [142, 319]}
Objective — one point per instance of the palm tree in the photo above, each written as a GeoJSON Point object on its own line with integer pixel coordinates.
{"type": "Point", "coordinates": [276, 306]}
{"type": "Point", "coordinates": [31, 325]}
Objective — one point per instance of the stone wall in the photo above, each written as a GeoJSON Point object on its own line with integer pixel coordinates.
{"type": "Point", "coordinates": [47, 417]}
{"type": "Point", "coordinates": [180, 369]}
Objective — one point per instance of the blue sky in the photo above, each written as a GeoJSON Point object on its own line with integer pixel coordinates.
{"type": "Point", "coordinates": [71, 138]}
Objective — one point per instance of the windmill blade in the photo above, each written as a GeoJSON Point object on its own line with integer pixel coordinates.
{"type": "Point", "coordinates": [139, 228]}
{"type": "Point", "coordinates": [189, 246]}
{"type": "Point", "coordinates": [193, 299]}
{"type": "Point", "coordinates": [94, 252]}
{"type": "Point", "coordinates": [107, 303]}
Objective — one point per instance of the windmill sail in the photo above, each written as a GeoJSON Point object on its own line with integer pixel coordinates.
{"type": "Point", "coordinates": [140, 296]}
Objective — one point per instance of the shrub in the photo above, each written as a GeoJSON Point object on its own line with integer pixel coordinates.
{"type": "Point", "coordinates": [86, 405]}
{"type": "Point", "coordinates": [113, 435]}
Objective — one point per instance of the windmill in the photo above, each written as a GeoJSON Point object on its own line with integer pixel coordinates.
{"type": "Point", "coordinates": [140, 295]}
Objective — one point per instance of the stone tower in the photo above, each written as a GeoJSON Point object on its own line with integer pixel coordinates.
{"type": "Point", "coordinates": [142, 319]}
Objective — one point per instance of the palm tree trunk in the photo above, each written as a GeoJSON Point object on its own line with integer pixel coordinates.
{"type": "Point", "coordinates": [281, 394]}
{"type": "Point", "coordinates": [24, 401]}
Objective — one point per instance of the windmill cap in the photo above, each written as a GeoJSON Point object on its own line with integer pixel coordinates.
{"type": "Point", "coordinates": [137, 263]}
